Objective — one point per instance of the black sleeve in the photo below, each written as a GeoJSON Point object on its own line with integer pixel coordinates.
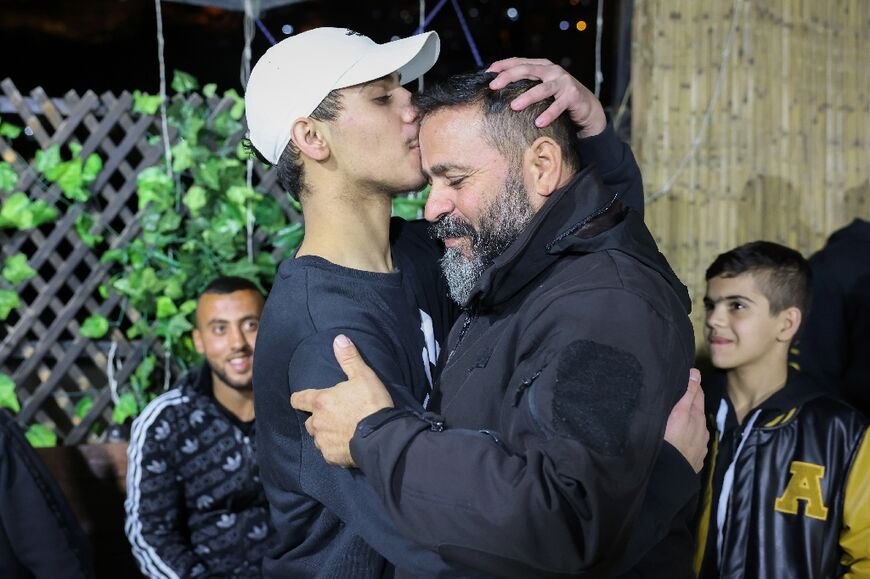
{"type": "Point", "coordinates": [344, 492]}
{"type": "Point", "coordinates": [617, 166]}
{"type": "Point", "coordinates": [662, 537]}
{"type": "Point", "coordinates": [38, 531]}
{"type": "Point", "coordinates": [590, 429]}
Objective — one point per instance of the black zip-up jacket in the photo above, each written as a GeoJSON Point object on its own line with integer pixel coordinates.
{"type": "Point", "coordinates": [556, 392]}
{"type": "Point", "coordinates": [195, 504]}
{"type": "Point", "coordinates": [39, 534]}
{"type": "Point", "coordinates": [800, 501]}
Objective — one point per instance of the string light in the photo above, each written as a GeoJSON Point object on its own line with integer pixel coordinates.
{"type": "Point", "coordinates": [513, 13]}
{"type": "Point", "coordinates": [581, 25]}
{"type": "Point", "coordinates": [564, 25]}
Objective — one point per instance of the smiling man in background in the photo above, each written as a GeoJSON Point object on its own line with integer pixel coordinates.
{"type": "Point", "coordinates": [195, 504]}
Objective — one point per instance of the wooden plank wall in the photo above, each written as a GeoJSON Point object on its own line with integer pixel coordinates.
{"type": "Point", "coordinates": [750, 121]}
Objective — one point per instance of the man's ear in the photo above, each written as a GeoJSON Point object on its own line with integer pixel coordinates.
{"type": "Point", "coordinates": [790, 322]}
{"type": "Point", "coordinates": [544, 168]}
{"type": "Point", "coordinates": [197, 341]}
{"type": "Point", "coordinates": [309, 139]}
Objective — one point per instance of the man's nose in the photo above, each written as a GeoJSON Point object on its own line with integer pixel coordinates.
{"type": "Point", "coordinates": [238, 340]}
{"type": "Point", "coordinates": [439, 204]}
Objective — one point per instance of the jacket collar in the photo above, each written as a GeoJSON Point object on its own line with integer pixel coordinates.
{"type": "Point", "coordinates": [799, 389]}
{"type": "Point", "coordinates": [581, 217]}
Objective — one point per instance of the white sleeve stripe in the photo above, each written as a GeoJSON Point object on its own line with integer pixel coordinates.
{"type": "Point", "coordinates": [150, 563]}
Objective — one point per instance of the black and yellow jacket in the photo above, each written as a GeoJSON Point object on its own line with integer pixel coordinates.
{"type": "Point", "coordinates": [788, 490]}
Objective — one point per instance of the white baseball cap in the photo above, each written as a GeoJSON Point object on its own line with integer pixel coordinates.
{"type": "Point", "coordinates": [295, 75]}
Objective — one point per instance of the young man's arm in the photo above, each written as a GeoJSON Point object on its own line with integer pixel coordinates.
{"type": "Point", "coordinates": [155, 524]}
{"type": "Point", "coordinates": [855, 536]}
{"type": "Point", "coordinates": [344, 492]}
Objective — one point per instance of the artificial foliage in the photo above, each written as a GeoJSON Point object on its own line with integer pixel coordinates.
{"type": "Point", "coordinates": [198, 219]}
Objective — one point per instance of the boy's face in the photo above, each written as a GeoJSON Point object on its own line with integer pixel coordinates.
{"type": "Point", "coordinates": [739, 328]}
{"type": "Point", "coordinates": [374, 138]}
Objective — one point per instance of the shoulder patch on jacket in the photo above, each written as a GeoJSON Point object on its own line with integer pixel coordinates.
{"type": "Point", "coordinates": [595, 395]}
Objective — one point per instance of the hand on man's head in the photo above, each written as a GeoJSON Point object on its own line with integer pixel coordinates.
{"type": "Point", "coordinates": [568, 93]}
{"type": "Point", "coordinates": [336, 411]}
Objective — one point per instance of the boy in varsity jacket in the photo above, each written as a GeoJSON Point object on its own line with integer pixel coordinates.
{"type": "Point", "coordinates": [787, 473]}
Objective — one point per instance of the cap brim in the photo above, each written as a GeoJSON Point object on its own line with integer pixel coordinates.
{"type": "Point", "coordinates": [411, 57]}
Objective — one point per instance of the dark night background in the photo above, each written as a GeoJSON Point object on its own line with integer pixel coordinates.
{"type": "Point", "coordinates": [111, 45]}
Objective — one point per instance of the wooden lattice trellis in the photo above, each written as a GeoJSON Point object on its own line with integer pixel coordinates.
{"type": "Point", "coordinates": [40, 344]}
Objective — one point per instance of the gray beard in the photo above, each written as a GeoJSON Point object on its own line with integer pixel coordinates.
{"type": "Point", "coordinates": [501, 222]}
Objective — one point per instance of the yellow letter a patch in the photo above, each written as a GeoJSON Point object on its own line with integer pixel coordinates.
{"type": "Point", "coordinates": [805, 485]}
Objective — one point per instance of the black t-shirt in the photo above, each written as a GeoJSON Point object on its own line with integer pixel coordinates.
{"type": "Point", "coordinates": [329, 520]}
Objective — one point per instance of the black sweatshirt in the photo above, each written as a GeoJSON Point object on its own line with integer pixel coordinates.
{"type": "Point", "coordinates": [329, 521]}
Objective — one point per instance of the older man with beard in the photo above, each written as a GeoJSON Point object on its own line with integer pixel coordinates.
{"type": "Point", "coordinates": [560, 374]}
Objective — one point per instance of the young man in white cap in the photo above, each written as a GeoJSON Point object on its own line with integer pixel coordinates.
{"type": "Point", "coordinates": [327, 107]}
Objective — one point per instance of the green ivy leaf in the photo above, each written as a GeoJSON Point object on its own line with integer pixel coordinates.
{"type": "Point", "coordinates": [155, 186]}
{"type": "Point", "coordinates": [17, 270]}
{"type": "Point", "coordinates": [269, 215]}
{"type": "Point", "coordinates": [195, 199]}
{"type": "Point", "coordinates": [145, 103]}
{"type": "Point", "coordinates": [47, 160]}
{"type": "Point", "coordinates": [187, 307]}
{"type": "Point", "coordinates": [407, 208]}
{"type": "Point", "coordinates": [83, 225]}
{"type": "Point", "coordinates": [182, 156]}
{"type": "Point", "coordinates": [125, 408]}
{"type": "Point", "coordinates": [117, 255]}
{"type": "Point", "coordinates": [75, 148]}
{"type": "Point", "coordinates": [238, 109]}
{"type": "Point", "coordinates": [92, 168]}
{"type": "Point", "coordinates": [137, 329]}
{"type": "Point", "coordinates": [9, 300]}
{"type": "Point", "coordinates": [288, 238]}
{"type": "Point", "coordinates": [297, 206]}
{"type": "Point", "coordinates": [41, 212]}
{"type": "Point", "coordinates": [103, 291]}
{"type": "Point", "coordinates": [174, 328]}
{"type": "Point", "coordinates": [16, 211]}
{"type": "Point", "coordinates": [209, 174]}
{"type": "Point", "coordinates": [9, 130]}
{"type": "Point", "coordinates": [8, 396]}
{"type": "Point", "coordinates": [165, 308]}
{"type": "Point", "coordinates": [225, 125]}
{"type": "Point", "coordinates": [84, 406]}
{"type": "Point", "coordinates": [145, 368]}
{"type": "Point", "coordinates": [174, 289]}
{"type": "Point", "coordinates": [95, 327]}
{"type": "Point", "coordinates": [69, 179]}
{"type": "Point", "coordinates": [190, 128]}
{"type": "Point", "coordinates": [209, 90]}
{"type": "Point", "coordinates": [40, 437]}
{"type": "Point", "coordinates": [183, 82]}
{"type": "Point", "coordinates": [241, 195]}
{"type": "Point", "coordinates": [8, 177]}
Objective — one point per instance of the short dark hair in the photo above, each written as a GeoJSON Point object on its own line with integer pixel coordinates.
{"type": "Point", "coordinates": [229, 284]}
{"type": "Point", "coordinates": [783, 274]}
{"type": "Point", "coordinates": [510, 132]}
{"type": "Point", "coordinates": [291, 176]}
